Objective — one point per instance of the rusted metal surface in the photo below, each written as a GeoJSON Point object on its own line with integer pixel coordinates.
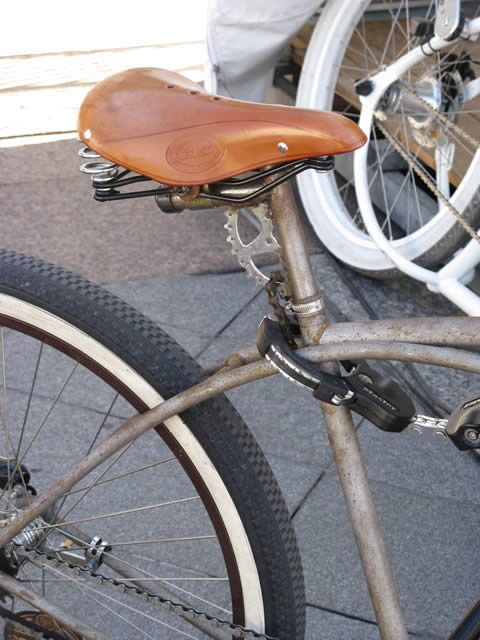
{"type": "Point", "coordinates": [238, 358]}
{"type": "Point", "coordinates": [294, 255]}
{"type": "Point", "coordinates": [138, 424]}
{"type": "Point", "coordinates": [402, 351]}
{"type": "Point", "coordinates": [315, 330]}
{"type": "Point", "coordinates": [19, 589]}
{"type": "Point", "coordinates": [132, 429]}
{"type": "Point", "coordinates": [450, 357]}
{"type": "Point", "coordinates": [447, 331]}
{"type": "Point", "coordinates": [366, 526]}
{"type": "Point", "coordinates": [297, 263]}
{"type": "Point", "coordinates": [453, 332]}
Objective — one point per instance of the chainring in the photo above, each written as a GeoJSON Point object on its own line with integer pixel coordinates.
{"type": "Point", "coordinates": [264, 242]}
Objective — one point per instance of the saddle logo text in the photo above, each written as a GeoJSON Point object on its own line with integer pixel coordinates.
{"type": "Point", "coordinates": [194, 153]}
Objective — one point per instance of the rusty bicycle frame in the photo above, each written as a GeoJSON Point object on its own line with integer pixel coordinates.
{"type": "Point", "coordinates": [448, 343]}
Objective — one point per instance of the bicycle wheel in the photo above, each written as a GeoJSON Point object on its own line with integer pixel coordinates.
{"type": "Point", "coordinates": [351, 42]}
{"type": "Point", "coordinates": [194, 516]}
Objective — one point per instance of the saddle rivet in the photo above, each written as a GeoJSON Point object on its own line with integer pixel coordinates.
{"type": "Point", "coordinates": [87, 134]}
{"type": "Point", "coordinates": [282, 147]}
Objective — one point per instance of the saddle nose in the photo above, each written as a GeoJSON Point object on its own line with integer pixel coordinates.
{"type": "Point", "coordinates": [164, 126]}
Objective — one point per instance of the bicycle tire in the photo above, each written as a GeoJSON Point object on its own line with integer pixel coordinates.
{"type": "Point", "coordinates": [78, 318]}
{"type": "Point", "coordinates": [428, 245]}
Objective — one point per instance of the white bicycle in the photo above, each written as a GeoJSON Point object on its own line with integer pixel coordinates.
{"type": "Point", "coordinates": [407, 73]}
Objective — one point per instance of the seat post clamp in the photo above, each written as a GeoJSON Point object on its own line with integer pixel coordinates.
{"type": "Point", "coordinates": [308, 308]}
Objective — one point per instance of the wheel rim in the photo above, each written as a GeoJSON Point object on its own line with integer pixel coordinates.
{"type": "Point", "coordinates": [390, 184]}
{"type": "Point", "coordinates": [238, 558]}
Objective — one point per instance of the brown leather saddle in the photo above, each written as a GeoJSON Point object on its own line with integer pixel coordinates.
{"type": "Point", "coordinates": [161, 125]}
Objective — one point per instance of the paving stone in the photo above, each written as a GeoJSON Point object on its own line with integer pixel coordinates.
{"type": "Point", "coordinates": [437, 581]}
{"type": "Point", "coordinates": [420, 464]}
{"type": "Point", "coordinates": [332, 626]}
{"type": "Point", "coordinates": [402, 297]}
{"type": "Point", "coordinates": [335, 289]}
{"type": "Point", "coordinates": [203, 304]}
{"type": "Point", "coordinates": [295, 480]}
{"type": "Point", "coordinates": [286, 421]}
{"type": "Point", "coordinates": [109, 242]}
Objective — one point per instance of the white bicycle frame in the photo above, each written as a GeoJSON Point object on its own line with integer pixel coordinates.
{"type": "Point", "coordinates": [450, 280]}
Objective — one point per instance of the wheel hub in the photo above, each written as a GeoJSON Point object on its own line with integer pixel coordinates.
{"type": "Point", "coordinates": [420, 101]}
{"type": "Point", "coordinates": [15, 495]}
{"type": "Point", "coordinates": [397, 101]}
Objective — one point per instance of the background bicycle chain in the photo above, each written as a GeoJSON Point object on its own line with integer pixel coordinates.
{"type": "Point", "coordinates": [418, 168]}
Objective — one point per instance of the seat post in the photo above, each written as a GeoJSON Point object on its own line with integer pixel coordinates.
{"type": "Point", "coordinates": [307, 300]}
{"type": "Point", "coordinates": [311, 316]}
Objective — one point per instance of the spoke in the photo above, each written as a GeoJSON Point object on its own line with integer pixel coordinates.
{"type": "Point", "coordinates": [411, 183]}
{"type": "Point", "coordinates": [137, 542]}
{"type": "Point", "coordinates": [87, 491]}
{"type": "Point", "coordinates": [133, 579]}
{"type": "Point", "coordinates": [89, 601]}
{"type": "Point", "coordinates": [391, 35]}
{"type": "Point", "coordinates": [18, 467]}
{"type": "Point", "coordinates": [366, 46]}
{"type": "Point", "coordinates": [365, 56]}
{"type": "Point", "coordinates": [382, 182]}
{"type": "Point", "coordinates": [129, 622]}
{"type": "Point", "coordinates": [122, 475]}
{"type": "Point", "coordinates": [107, 415]}
{"type": "Point", "coordinates": [115, 513]}
{"type": "Point", "coordinates": [32, 581]}
{"type": "Point", "coordinates": [373, 169]}
{"type": "Point", "coordinates": [5, 412]}
{"type": "Point", "coordinates": [115, 613]}
{"type": "Point", "coordinates": [175, 586]}
{"type": "Point", "coordinates": [29, 401]}
{"type": "Point", "coordinates": [122, 604]}
{"type": "Point", "coordinates": [56, 399]}
{"type": "Point", "coordinates": [142, 613]}
{"type": "Point", "coordinates": [411, 179]}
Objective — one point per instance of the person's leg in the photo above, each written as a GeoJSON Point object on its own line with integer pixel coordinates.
{"type": "Point", "coordinates": [244, 41]}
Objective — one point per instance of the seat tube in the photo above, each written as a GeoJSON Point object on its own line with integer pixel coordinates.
{"type": "Point", "coordinates": [307, 300]}
{"type": "Point", "coordinates": [310, 313]}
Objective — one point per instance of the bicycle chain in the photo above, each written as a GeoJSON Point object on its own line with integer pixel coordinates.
{"type": "Point", "coordinates": [274, 294]}
{"type": "Point", "coordinates": [419, 170]}
{"type": "Point", "coordinates": [443, 119]}
{"type": "Point", "coordinates": [179, 609]}
{"type": "Point", "coordinates": [423, 175]}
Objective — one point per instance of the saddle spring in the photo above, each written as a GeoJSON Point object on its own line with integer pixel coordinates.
{"type": "Point", "coordinates": [252, 188]}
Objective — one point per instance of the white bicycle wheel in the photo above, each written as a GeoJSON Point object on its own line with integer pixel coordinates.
{"type": "Point", "coordinates": [352, 41]}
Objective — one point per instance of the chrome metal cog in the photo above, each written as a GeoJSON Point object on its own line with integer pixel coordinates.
{"type": "Point", "coordinates": [265, 241]}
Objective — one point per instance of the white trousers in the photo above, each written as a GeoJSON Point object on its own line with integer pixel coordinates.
{"type": "Point", "coordinates": [245, 39]}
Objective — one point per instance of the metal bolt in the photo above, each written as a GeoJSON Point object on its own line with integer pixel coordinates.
{"type": "Point", "coordinates": [440, 435]}
{"type": "Point", "coordinates": [416, 431]}
{"type": "Point", "coordinates": [471, 434]}
{"type": "Point", "coordinates": [282, 147]}
{"type": "Point", "coordinates": [87, 134]}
